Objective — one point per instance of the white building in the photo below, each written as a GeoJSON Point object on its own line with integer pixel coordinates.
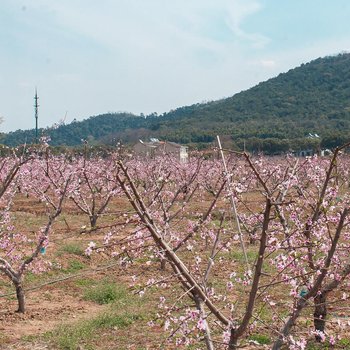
{"type": "Point", "coordinates": [157, 148]}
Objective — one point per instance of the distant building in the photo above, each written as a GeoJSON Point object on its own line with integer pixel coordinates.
{"type": "Point", "coordinates": [158, 148]}
{"type": "Point", "coordinates": [311, 152]}
{"type": "Point", "coordinates": [306, 153]}
{"type": "Point", "coordinates": [312, 147]}
{"type": "Point", "coordinates": [326, 152]}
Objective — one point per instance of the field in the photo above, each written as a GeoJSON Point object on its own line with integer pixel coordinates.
{"type": "Point", "coordinates": [150, 255]}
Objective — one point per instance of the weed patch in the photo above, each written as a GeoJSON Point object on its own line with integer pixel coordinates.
{"type": "Point", "coordinates": [85, 282]}
{"type": "Point", "coordinates": [105, 293]}
{"type": "Point", "coordinates": [69, 337]}
{"type": "Point", "coordinates": [73, 248]}
{"type": "Point", "coordinates": [345, 343]}
{"type": "Point", "coordinates": [74, 265]}
{"type": "Point", "coordinates": [260, 338]}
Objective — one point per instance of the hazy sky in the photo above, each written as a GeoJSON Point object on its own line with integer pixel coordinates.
{"type": "Point", "coordinates": [88, 57]}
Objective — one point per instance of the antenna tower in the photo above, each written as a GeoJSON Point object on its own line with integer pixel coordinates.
{"type": "Point", "coordinates": [36, 116]}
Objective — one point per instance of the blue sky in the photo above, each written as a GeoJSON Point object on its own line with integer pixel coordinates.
{"type": "Point", "coordinates": [89, 57]}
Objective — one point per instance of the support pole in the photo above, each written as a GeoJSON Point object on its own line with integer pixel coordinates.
{"type": "Point", "coordinates": [233, 204]}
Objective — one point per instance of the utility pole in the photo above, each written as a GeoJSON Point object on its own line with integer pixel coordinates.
{"type": "Point", "coordinates": [36, 116]}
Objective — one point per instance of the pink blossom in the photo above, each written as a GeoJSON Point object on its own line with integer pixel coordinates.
{"type": "Point", "coordinates": [201, 324]}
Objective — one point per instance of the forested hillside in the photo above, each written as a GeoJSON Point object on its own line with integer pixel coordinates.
{"type": "Point", "coordinates": [276, 115]}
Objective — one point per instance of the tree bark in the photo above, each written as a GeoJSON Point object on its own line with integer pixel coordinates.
{"type": "Point", "coordinates": [93, 221]}
{"type": "Point", "coordinates": [320, 314]}
{"type": "Point", "coordinates": [163, 264]}
{"type": "Point", "coordinates": [232, 345]}
{"type": "Point", "coordinates": [20, 297]}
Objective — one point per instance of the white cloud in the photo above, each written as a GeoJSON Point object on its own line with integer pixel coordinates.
{"type": "Point", "coordinates": [152, 24]}
{"type": "Point", "coordinates": [268, 63]}
{"type": "Point", "coordinates": [238, 11]}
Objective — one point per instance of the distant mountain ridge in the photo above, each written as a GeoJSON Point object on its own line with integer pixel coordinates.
{"type": "Point", "coordinates": [275, 115]}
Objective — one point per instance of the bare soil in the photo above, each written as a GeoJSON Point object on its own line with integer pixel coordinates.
{"type": "Point", "coordinates": [45, 310]}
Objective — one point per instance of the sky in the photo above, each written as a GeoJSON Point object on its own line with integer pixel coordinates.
{"type": "Point", "coordinates": [89, 57]}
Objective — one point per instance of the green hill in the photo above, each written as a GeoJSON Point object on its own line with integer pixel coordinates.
{"type": "Point", "coordinates": [273, 116]}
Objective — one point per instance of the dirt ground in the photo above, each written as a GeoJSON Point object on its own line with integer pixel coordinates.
{"type": "Point", "coordinates": [45, 310]}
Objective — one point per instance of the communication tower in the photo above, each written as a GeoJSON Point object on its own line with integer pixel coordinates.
{"type": "Point", "coordinates": [36, 106]}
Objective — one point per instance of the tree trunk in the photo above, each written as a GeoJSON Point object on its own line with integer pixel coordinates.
{"type": "Point", "coordinates": [93, 221]}
{"type": "Point", "coordinates": [320, 314]}
{"type": "Point", "coordinates": [162, 264]}
{"type": "Point", "coordinates": [20, 297]}
{"type": "Point", "coordinates": [232, 345]}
